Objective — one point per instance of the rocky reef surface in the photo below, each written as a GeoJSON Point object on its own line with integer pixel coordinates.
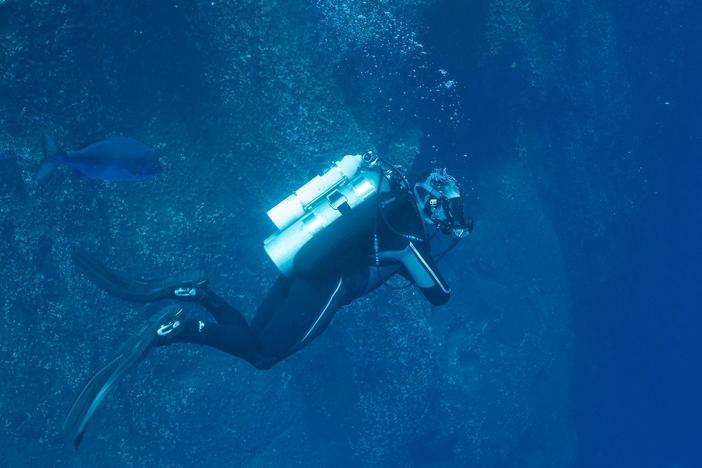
{"type": "Point", "coordinates": [243, 100]}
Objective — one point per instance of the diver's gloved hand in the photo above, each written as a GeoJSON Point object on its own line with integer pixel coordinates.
{"type": "Point", "coordinates": [182, 287]}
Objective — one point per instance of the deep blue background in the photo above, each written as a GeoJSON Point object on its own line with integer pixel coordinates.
{"type": "Point", "coordinates": [636, 381]}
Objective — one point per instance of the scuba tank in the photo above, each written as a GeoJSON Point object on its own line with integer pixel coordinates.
{"type": "Point", "coordinates": [318, 204]}
{"type": "Point", "coordinates": [294, 206]}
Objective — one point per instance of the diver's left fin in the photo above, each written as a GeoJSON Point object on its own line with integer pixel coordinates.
{"type": "Point", "coordinates": [163, 325]}
{"type": "Point", "coordinates": [89, 398]}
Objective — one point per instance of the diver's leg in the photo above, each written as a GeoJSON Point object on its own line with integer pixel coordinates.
{"type": "Point", "coordinates": [296, 311]}
{"type": "Point", "coordinates": [232, 339]}
{"type": "Point", "coordinates": [234, 335]}
{"type": "Point", "coordinates": [274, 300]}
{"type": "Point", "coordinates": [221, 310]}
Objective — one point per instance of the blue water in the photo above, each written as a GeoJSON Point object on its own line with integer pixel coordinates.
{"type": "Point", "coordinates": [635, 388]}
{"type": "Point", "coordinates": [575, 128]}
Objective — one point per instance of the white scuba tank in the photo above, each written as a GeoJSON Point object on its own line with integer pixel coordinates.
{"type": "Point", "coordinates": [315, 206]}
{"type": "Point", "coordinates": [293, 207]}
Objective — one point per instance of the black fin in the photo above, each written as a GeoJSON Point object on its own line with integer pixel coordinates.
{"type": "Point", "coordinates": [101, 384]}
{"type": "Point", "coordinates": [137, 289]}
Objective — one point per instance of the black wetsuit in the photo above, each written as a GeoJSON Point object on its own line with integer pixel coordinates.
{"type": "Point", "coordinates": [299, 308]}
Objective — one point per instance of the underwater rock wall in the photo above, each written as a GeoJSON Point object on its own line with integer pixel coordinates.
{"type": "Point", "coordinates": [244, 100]}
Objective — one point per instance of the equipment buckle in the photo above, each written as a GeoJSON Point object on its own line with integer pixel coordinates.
{"type": "Point", "coordinates": [185, 292]}
{"type": "Point", "coordinates": [167, 328]}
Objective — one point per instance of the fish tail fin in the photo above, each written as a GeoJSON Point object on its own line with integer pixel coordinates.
{"type": "Point", "coordinates": [53, 156]}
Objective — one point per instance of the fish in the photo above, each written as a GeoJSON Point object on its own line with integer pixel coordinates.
{"type": "Point", "coordinates": [116, 158]}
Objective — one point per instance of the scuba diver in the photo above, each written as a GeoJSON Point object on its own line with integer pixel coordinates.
{"type": "Point", "coordinates": [340, 236]}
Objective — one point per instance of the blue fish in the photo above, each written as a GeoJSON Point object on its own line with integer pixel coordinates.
{"type": "Point", "coordinates": [116, 158]}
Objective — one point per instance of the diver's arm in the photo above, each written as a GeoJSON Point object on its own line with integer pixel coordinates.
{"type": "Point", "coordinates": [404, 237]}
{"type": "Point", "coordinates": [421, 269]}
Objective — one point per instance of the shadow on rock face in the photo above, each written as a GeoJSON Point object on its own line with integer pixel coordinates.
{"type": "Point", "coordinates": [506, 330]}
{"type": "Point", "coordinates": [432, 449]}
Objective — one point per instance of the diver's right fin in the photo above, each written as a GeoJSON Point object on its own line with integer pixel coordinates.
{"type": "Point", "coordinates": [186, 286]}
{"type": "Point", "coordinates": [166, 322]}
{"type": "Point", "coordinates": [89, 398]}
